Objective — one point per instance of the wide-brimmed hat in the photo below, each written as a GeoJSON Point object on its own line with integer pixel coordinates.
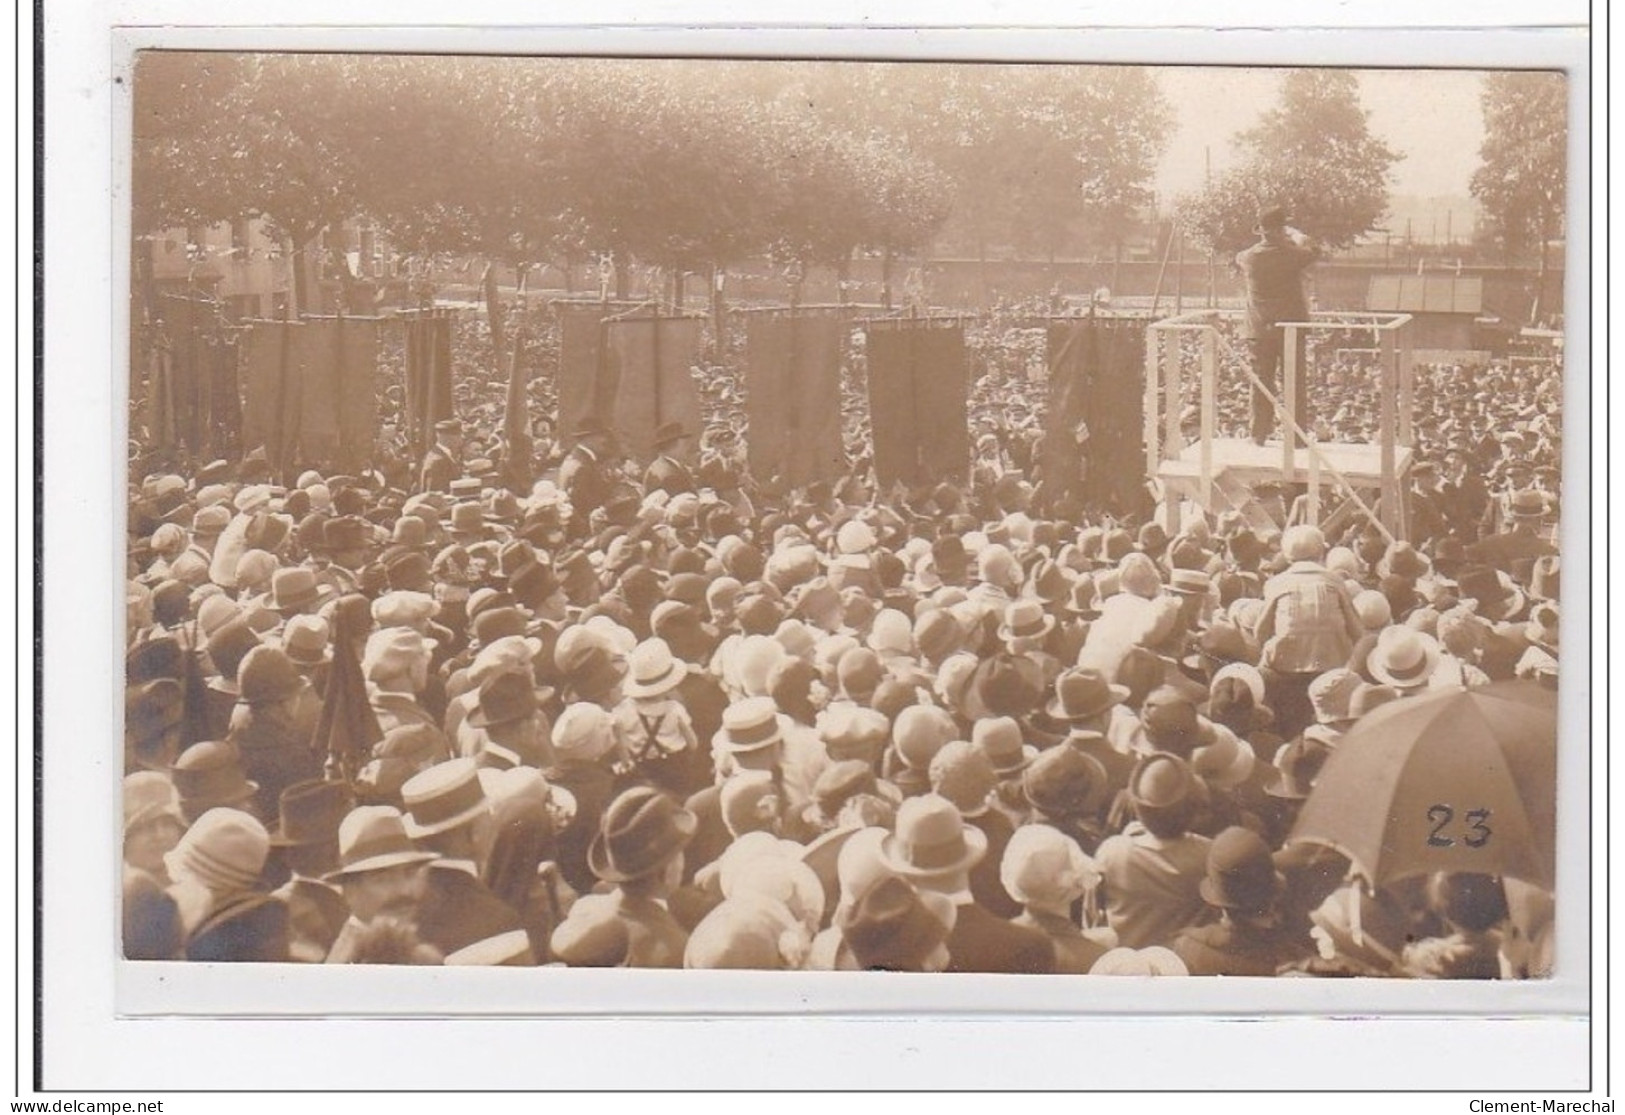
{"type": "Point", "coordinates": [1005, 685]}
{"type": "Point", "coordinates": [346, 532]}
{"type": "Point", "coordinates": [931, 838]}
{"type": "Point", "coordinates": [1190, 582]}
{"type": "Point", "coordinates": [305, 640]}
{"type": "Point", "coordinates": [1403, 658]}
{"type": "Point", "coordinates": [893, 927]}
{"type": "Point", "coordinates": [1066, 782]}
{"type": "Point", "coordinates": [503, 699]}
{"type": "Point", "coordinates": [446, 796]}
{"type": "Point", "coordinates": [1297, 765]}
{"type": "Point", "coordinates": [654, 670]}
{"type": "Point", "coordinates": [640, 832]}
{"type": "Point", "coordinates": [310, 812]}
{"type": "Point", "coordinates": [1026, 619]}
{"type": "Point", "coordinates": [750, 725]}
{"type": "Point", "coordinates": [372, 838]}
{"type": "Point", "coordinates": [1241, 872]}
{"type": "Point", "coordinates": [1084, 695]}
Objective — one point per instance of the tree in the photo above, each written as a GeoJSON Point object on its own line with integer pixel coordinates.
{"type": "Point", "coordinates": [1314, 154]}
{"type": "Point", "coordinates": [1523, 175]}
{"type": "Point", "coordinates": [180, 138]}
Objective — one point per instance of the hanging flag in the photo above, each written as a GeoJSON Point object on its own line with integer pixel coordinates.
{"type": "Point", "coordinates": [516, 420]}
{"type": "Point", "coordinates": [918, 383]}
{"type": "Point", "coordinates": [653, 359]}
{"type": "Point", "coordinates": [793, 398]}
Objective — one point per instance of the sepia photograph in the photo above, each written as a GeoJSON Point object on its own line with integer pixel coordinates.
{"type": "Point", "coordinates": [1058, 520]}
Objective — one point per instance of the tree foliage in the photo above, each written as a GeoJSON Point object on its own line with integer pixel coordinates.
{"type": "Point", "coordinates": [680, 164]}
{"type": "Point", "coordinates": [1312, 153]}
{"type": "Point", "coordinates": [1524, 158]}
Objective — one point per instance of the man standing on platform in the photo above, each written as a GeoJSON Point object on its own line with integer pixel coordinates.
{"type": "Point", "coordinates": [443, 463]}
{"type": "Point", "coordinates": [1273, 269]}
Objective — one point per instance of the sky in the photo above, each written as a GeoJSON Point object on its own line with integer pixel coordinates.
{"type": "Point", "coordinates": [1431, 116]}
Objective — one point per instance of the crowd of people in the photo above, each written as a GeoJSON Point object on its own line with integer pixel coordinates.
{"type": "Point", "coordinates": [654, 714]}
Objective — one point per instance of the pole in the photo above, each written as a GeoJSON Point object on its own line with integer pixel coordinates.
{"type": "Point", "coordinates": [1179, 274]}
{"type": "Point", "coordinates": [1167, 250]}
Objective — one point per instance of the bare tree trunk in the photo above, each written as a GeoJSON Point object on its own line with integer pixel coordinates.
{"type": "Point", "coordinates": [719, 315]}
{"type": "Point", "coordinates": [493, 316]}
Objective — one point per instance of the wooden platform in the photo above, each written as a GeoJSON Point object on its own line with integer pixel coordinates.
{"type": "Point", "coordinates": [1240, 460]}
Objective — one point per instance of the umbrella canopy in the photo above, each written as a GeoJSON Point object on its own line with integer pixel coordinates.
{"type": "Point", "coordinates": [1454, 780]}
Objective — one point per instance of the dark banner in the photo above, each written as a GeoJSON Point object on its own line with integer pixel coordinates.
{"type": "Point", "coordinates": [917, 391]}
{"type": "Point", "coordinates": [793, 382]}
{"type": "Point", "coordinates": [652, 360]}
{"type": "Point", "coordinates": [428, 375]}
{"type": "Point", "coordinates": [580, 341]}
{"type": "Point", "coordinates": [192, 397]}
{"type": "Point", "coordinates": [310, 390]}
{"type": "Point", "coordinates": [1093, 427]}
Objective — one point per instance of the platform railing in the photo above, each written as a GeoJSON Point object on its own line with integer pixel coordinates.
{"type": "Point", "coordinates": [1164, 439]}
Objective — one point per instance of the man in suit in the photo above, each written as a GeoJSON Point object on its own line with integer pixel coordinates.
{"type": "Point", "coordinates": [935, 849]}
{"type": "Point", "coordinates": [307, 838]}
{"type": "Point", "coordinates": [584, 474]}
{"type": "Point", "coordinates": [666, 473]}
{"type": "Point", "coordinates": [1273, 270]}
{"type": "Point", "coordinates": [443, 463]}
{"type": "Point", "coordinates": [459, 914]}
{"type": "Point", "coordinates": [380, 875]}
{"type": "Point", "coordinates": [639, 852]}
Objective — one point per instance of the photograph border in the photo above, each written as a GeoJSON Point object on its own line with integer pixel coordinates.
{"type": "Point", "coordinates": [172, 990]}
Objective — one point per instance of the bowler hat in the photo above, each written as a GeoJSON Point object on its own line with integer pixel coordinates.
{"type": "Point", "coordinates": [1241, 874]}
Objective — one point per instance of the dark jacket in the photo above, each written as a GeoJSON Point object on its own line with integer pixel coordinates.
{"type": "Point", "coordinates": [1273, 271]}
{"type": "Point", "coordinates": [249, 926]}
{"type": "Point", "coordinates": [981, 942]}
{"type": "Point", "coordinates": [1238, 949]}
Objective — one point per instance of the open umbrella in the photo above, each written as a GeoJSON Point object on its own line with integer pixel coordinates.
{"type": "Point", "coordinates": [1454, 780]}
